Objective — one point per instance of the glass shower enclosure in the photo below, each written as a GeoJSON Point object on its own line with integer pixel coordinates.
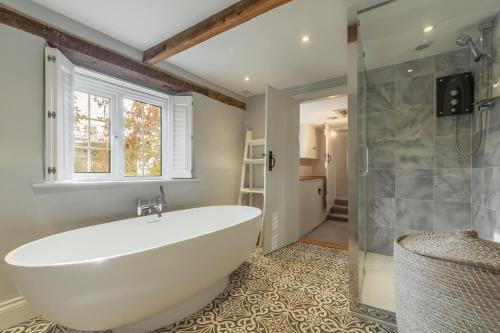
{"type": "Point", "coordinates": [359, 166]}
{"type": "Point", "coordinates": [411, 169]}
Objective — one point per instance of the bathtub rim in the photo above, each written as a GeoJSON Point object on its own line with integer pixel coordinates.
{"type": "Point", "coordinates": [12, 263]}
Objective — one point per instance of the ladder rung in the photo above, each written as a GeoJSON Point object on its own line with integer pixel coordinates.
{"type": "Point", "coordinates": [252, 190]}
{"type": "Point", "coordinates": [255, 160]}
{"type": "Point", "coordinates": [256, 142]}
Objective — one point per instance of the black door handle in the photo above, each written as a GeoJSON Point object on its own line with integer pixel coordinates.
{"type": "Point", "coordinates": [329, 158]}
{"type": "Point", "coordinates": [271, 161]}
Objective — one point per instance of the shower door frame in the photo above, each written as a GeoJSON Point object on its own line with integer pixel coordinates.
{"type": "Point", "coordinates": [356, 308]}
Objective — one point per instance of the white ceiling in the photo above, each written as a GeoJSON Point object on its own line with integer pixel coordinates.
{"type": "Point", "coordinates": [390, 33]}
{"type": "Point", "coordinates": [317, 112]}
{"type": "Point", "coordinates": [268, 48]}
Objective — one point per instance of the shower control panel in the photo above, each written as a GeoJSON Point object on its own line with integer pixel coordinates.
{"type": "Point", "coordinates": [454, 94]}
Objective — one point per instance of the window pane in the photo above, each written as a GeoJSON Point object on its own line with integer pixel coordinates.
{"type": "Point", "coordinates": [99, 160]}
{"type": "Point", "coordinates": [99, 134]}
{"type": "Point", "coordinates": [91, 133]}
{"type": "Point", "coordinates": [81, 159]}
{"type": "Point", "coordinates": [142, 139]}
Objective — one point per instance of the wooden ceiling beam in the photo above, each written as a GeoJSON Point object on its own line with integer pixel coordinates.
{"type": "Point", "coordinates": [95, 57]}
{"type": "Point", "coordinates": [224, 20]}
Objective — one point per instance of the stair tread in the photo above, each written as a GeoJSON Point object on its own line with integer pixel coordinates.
{"type": "Point", "coordinates": [341, 202]}
{"type": "Point", "coordinates": [339, 215]}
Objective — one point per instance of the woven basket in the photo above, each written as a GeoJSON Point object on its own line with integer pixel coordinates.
{"type": "Point", "coordinates": [447, 283]}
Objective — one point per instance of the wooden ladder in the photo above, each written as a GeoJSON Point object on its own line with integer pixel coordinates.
{"type": "Point", "coordinates": [248, 163]}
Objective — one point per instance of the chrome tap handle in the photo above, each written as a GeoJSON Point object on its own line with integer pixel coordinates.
{"type": "Point", "coordinates": [139, 206]}
{"type": "Point", "coordinates": [163, 197]}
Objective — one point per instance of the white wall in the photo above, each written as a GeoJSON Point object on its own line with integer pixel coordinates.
{"type": "Point", "coordinates": [340, 162]}
{"type": "Point", "coordinates": [26, 215]}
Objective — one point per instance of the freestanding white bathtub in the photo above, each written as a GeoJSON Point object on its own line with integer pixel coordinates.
{"type": "Point", "coordinates": [138, 274]}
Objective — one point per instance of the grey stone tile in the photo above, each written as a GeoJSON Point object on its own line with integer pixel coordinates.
{"type": "Point", "coordinates": [405, 232]}
{"type": "Point", "coordinates": [477, 187]}
{"type": "Point", "coordinates": [450, 217]}
{"type": "Point", "coordinates": [447, 155]}
{"type": "Point", "coordinates": [484, 221]}
{"type": "Point", "coordinates": [414, 214]}
{"type": "Point", "coordinates": [381, 75]}
{"type": "Point", "coordinates": [492, 147]}
{"type": "Point", "coordinates": [496, 65]}
{"type": "Point", "coordinates": [478, 156]}
{"type": "Point", "coordinates": [415, 154]}
{"type": "Point", "coordinates": [494, 115]}
{"type": "Point", "coordinates": [380, 97]}
{"type": "Point", "coordinates": [492, 188]}
{"type": "Point", "coordinates": [415, 184]}
{"type": "Point", "coordinates": [362, 135]}
{"type": "Point", "coordinates": [382, 154]}
{"type": "Point", "coordinates": [418, 67]}
{"type": "Point", "coordinates": [380, 240]}
{"type": "Point", "coordinates": [362, 237]}
{"type": "Point", "coordinates": [381, 212]}
{"type": "Point", "coordinates": [496, 231]}
{"type": "Point", "coordinates": [452, 185]}
{"type": "Point", "coordinates": [415, 123]}
{"type": "Point", "coordinates": [380, 183]}
{"type": "Point", "coordinates": [454, 62]}
{"type": "Point", "coordinates": [446, 125]}
{"type": "Point", "coordinates": [380, 126]}
{"type": "Point", "coordinates": [480, 85]}
{"type": "Point", "coordinates": [479, 119]}
{"type": "Point", "coordinates": [417, 91]}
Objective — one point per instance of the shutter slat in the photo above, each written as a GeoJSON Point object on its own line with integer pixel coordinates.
{"type": "Point", "coordinates": [181, 129]}
{"type": "Point", "coordinates": [59, 77]}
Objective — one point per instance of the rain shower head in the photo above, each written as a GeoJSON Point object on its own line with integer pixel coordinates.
{"type": "Point", "coordinates": [466, 40]}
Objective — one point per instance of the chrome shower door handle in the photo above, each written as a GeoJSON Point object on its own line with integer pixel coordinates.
{"type": "Point", "coordinates": [364, 172]}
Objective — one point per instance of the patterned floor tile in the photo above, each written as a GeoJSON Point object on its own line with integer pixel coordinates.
{"type": "Point", "coordinates": [302, 288]}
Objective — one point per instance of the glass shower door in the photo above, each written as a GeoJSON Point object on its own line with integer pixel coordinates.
{"type": "Point", "coordinates": [363, 167]}
{"type": "Point", "coordinates": [364, 270]}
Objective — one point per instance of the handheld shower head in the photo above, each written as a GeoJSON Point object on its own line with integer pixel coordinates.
{"type": "Point", "coordinates": [463, 39]}
{"type": "Point", "coordinates": [466, 40]}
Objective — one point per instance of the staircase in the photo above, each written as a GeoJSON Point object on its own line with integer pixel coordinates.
{"type": "Point", "coordinates": [339, 212]}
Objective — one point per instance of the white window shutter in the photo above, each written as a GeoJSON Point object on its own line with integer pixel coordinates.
{"type": "Point", "coordinates": [181, 128]}
{"type": "Point", "coordinates": [59, 74]}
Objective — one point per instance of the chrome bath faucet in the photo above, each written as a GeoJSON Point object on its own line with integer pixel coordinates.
{"type": "Point", "coordinates": [152, 208]}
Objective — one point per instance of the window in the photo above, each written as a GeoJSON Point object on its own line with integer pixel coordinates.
{"type": "Point", "coordinates": [142, 138]}
{"type": "Point", "coordinates": [91, 133]}
{"type": "Point", "coordinates": [102, 128]}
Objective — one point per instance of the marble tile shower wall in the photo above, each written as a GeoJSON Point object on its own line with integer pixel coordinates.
{"type": "Point", "coordinates": [417, 179]}
{"type": "Point", "coordinates": [486, 173]}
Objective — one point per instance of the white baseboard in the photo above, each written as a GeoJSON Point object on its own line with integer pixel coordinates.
{"type": "Point", "coordinates": [15, 311]}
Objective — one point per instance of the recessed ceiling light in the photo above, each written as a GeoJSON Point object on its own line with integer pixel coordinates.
{"type": "Point", "coordinates": [247, 78]}
{"type": "Point", "coordinates": [305, 39]}
{"type": "Point", "coordinates": [428, 28]}
{"type": "Point", "coordinates": [409, 70]}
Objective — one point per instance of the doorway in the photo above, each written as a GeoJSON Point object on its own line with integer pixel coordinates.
{"type": "Point", "coordinates": [323, 172]}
